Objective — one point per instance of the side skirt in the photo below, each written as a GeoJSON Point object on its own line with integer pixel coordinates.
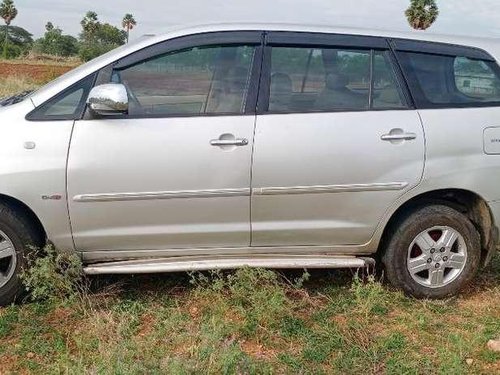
{"type": "Point", "coordinates": [101, 256]}
{"type": "Point", "coordinates": [203, 263]}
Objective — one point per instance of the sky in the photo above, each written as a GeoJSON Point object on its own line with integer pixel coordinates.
{"type": "Point", "coordinates": [471, 17]}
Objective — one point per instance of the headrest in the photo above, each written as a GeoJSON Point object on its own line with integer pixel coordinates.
{"type": "Point", "coordinates": [335, 81]}
{"type": "Point", "coordinates": [281, 83]}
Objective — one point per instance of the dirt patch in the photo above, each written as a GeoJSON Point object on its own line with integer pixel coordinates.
{"type": "Point", "coordinates": [8, 363]}
{"type": "Point", "coordinates": [38, 73]}
{"type": "Point", "coordinates": [257, 350]}
{"type": "Point", "coordinates": [147, 324]}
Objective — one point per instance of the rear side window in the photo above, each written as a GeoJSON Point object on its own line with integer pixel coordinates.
{"type": "Point", "coordinates": [451, 81]}
{"type": "Point", "coordinates": [194, 81]}
{"type": "Point", "coordinates": [308, 79]}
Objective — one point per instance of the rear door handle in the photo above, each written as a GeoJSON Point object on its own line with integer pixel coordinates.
{"type": "Point", "coordinates": [398, 137]}
{"type": "Point", "coordinates": [229, 142]}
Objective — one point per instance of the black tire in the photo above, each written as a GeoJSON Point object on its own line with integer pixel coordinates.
{"type": "Point", "coordinates": [395, 258]}
{"type": "Point", "coordinates": [24, 236]}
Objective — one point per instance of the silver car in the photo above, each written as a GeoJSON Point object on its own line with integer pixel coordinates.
{"type": "Point", "coordinates": [266, 146]}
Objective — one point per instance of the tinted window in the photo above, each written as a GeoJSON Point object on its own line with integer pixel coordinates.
{"type": "Point", "coordinates": [328, 79]}
{"type": "Point", "coordinates": [386, 91]}
{"type": "Point", "coordinates": [68, 105]}
{"type": "Point", "coordinates": [441, 81]}
{"type": "Point", "coordinates": [212, 79]}
{"type": "Point", "coordinates": [476, 79]}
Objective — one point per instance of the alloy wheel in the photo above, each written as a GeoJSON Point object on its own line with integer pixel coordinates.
{"type": "Point", "coordinates": [8, 259]}
{"type": "Point", "coordinates": [437, 256]}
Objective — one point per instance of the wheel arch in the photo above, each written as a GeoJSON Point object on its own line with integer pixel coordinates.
{"type": "Point", "coordinates": [24, 209]}
{"type": "Point", "coordinates": [467, 202]}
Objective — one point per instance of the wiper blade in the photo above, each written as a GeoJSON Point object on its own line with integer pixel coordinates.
{"type": "Point", "coordinates": [15, 98]}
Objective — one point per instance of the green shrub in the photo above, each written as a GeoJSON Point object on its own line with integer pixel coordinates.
{"type": "Point", "coordinates": [11, 51]}
{"type": "Point", "coordinates": [54, 275]}
{"type": "Point", "coordinates": [258, 295]}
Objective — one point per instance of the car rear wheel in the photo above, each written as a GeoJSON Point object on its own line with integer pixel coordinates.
{"type": "Point", "coordinates": [433, 253]}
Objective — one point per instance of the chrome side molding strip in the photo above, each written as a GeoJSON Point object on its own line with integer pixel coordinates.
{"type": "Point", "coordinates": [161, 195]}
{"type": "Point", "coordinates": [285, 190]}
{"type": "Point", "coordinates": [319, 189]}
{"type": "Point", "coordinates": [183, 264]}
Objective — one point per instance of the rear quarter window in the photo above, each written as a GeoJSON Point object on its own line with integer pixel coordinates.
{"type": "Point", "coordinates": [476, 79]}
{"type": "Point", "coordinates": [451, 81]}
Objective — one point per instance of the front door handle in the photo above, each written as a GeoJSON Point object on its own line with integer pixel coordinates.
{"type": "Point", "coordinates": [229, 142]}
{"type": "Point", "coordinates": [398, 135]}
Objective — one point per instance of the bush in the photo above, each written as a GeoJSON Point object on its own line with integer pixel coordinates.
{"type": "Point", "coordinates": [53, 275]}
{"type": "Point", "coordinates": [91, 51]}
{"type": "Point", "coordinates": [11, 51]}
{"type": "Point", "coordinates": [258, 295]}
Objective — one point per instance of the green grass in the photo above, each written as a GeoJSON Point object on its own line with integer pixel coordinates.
{"type": "Point", "coordinates": [253, 322]}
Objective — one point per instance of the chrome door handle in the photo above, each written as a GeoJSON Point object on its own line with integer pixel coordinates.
{"type": "Point", "coordinates": [229, 142]}
{"type": "Point", "coordinates": [399, 137]}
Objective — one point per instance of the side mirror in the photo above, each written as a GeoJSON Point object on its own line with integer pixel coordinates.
{"type": "Point", "coordinates": [108, 99]}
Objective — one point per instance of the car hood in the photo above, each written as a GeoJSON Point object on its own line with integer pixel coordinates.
{"type": "Point", "coordinates": [21, 108]}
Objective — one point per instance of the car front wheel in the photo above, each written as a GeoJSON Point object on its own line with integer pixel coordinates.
{"type": "Point", "coordinates": [17, 236]}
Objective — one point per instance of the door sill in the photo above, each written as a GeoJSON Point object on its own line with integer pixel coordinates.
{"type": "Point", "coordinates": [204, 263]}
{"type": "Point", "coordinates": [101, 256]}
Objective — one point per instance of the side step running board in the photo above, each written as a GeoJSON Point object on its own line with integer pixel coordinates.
{"type": "Point", "coordinates": [182, 264]}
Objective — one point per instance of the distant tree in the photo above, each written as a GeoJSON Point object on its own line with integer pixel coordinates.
{"type": "Point", "coordinates": [90, 23]}
{"type": "Point", "coordinates": [8, 12]}
{"type": "Point", "coordinates": [422, 14]}
{"type": "Point", "coordinates": [128, 23]}
{"type": "Point", "coordinates": [54, 42]}
{"type": "Point", "coordinates": [98, 38]}
{"type": "Point", "coordinates": [19, 42]}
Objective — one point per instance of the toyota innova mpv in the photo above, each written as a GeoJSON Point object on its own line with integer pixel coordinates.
{"type": "Point", "coordinates": [265, 146]}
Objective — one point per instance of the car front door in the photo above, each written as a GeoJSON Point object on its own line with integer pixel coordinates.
{"type": "Point", "coordinates": [175, 172]}
{"type": "Point", "coordinates": [336, 140]}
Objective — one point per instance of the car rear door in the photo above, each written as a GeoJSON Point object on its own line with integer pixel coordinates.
{"type": "Point", "coordinates": [337, 140]}
{"type": "Point", "coordinates": [175, 172]}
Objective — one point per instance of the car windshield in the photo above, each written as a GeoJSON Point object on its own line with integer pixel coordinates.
{"type": "Point", "coordinates": [4, 102]}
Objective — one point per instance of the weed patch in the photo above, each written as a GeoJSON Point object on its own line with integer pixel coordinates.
{"type": "Point", "coordinates": [53, 275]}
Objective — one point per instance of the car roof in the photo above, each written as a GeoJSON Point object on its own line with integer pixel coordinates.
{"type": "Point", "coordinates": [330, 29]}
{"type": "Point", "coordinates": [491, 45]}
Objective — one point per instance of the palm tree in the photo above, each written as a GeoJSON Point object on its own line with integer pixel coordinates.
{"type": "Point", "coordinates": [90, 23]}
{"type": "Point", "coordinates": [8, 12]}
{"type": "Point", "coordinates": [422, 14]}
{"type": "Point", "coordinates": [128, 23]}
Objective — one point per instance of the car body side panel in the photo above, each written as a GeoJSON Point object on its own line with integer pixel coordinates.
{"type": "Point", "coordinates": [455, 159]}
{"type": "Point", "coordinates": [328, 178]}
{"type": "Point", "coordinates": [455, 149]}
{"type": "Point", "coordinates": [455, 156]}
{"type": "Point", "coordinates": [33, 168]}
{"type": "Point", "coordinates": [159, 183]}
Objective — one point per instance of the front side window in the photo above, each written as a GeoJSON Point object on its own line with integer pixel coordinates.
{"type": "Point", "coordinates": [442, 80]}
{"type": "Point", "coordinates": [68, 105]}
{"type": "Point", "coordinates": [328, 79]}
{"type": "Point", "coordinates": [194, 81]}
